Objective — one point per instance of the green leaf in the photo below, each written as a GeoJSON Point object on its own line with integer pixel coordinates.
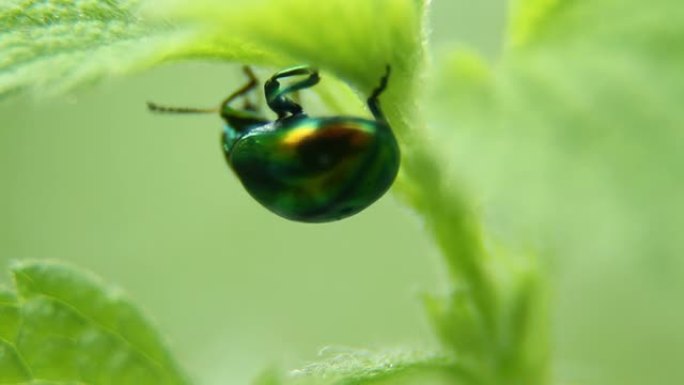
{"type": "Point", "coordinates": [573, 141]}
{"type": "Point", "coordinates": [64, 325]}
{"type": "Point", "coordinates": [12, 367]}
{"type": "Point", "coordinates": [364, 367]}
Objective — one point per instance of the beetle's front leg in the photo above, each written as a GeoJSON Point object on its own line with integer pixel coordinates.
{"type": "Point", "coordinates": [276, 97]}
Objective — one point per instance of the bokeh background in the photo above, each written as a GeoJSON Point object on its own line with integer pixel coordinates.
{"type": "Point", "coordinates": [147, 202]}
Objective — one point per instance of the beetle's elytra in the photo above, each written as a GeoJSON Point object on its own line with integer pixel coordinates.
{"type": "Point", "coordinates": [307, 169]}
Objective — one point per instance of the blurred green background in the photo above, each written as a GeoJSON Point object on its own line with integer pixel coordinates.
{"type": "Point", "coordinates": [148, 203]}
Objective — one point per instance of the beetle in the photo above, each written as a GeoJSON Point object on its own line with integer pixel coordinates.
{"type": "Point", "coordinates": [303, 168]}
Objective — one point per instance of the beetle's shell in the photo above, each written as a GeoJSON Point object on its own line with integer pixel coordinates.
{"type": "Point", "coordinates": [315, 169]}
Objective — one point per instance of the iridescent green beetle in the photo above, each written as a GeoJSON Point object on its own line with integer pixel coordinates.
{"type": "Point", "coordinates": [308, 169]}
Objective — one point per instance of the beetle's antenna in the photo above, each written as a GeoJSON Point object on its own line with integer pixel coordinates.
{"type": "Point", "coordinates": [180, 110]}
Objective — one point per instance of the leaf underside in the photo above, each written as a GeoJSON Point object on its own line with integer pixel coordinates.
{"type": "Point", "coordinates": [52, 46]}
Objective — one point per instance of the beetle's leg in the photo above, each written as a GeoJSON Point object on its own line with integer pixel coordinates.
{"type": "Point", "coordinates": [276, 97]}
{"type": "Point", "coordinates": [251, 84]}
{"type": "Point", "coordinates": [374, 102]}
